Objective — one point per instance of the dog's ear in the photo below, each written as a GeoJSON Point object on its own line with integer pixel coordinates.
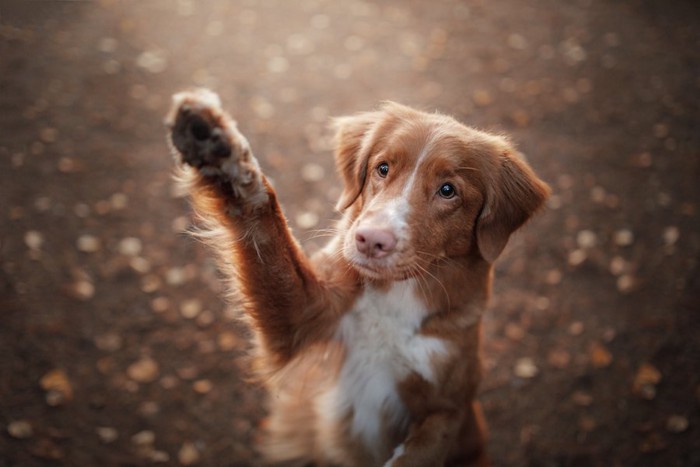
{"type": "Point", "coordinates": [513, 195]}
{"type": "Point", "coordinates": [352, 146]}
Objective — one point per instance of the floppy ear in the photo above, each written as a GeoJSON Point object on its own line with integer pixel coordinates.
{"type": "Point", "coordinates": [514, 195]}
{"type": "Point", "coordinates": [351, 153]}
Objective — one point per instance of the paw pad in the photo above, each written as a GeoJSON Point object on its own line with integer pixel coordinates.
{"type": "Point", "coordinates": [197, 129]}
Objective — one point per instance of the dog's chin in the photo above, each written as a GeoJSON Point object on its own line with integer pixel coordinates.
{"type": "Point", "coordinates": [377, 271]}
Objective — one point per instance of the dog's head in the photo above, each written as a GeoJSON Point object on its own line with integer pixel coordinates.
{"type": "Point", "coordinates": [420, 188]}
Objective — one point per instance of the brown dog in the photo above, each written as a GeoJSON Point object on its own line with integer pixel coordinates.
{"type": "Point", "coordinates": [369, 350]}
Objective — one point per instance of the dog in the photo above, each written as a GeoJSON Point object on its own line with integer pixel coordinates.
{"type": "Point", "coordinates": [370, 349]}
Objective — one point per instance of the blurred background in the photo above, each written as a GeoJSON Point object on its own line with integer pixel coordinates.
{"type": "Point", "coordinates": [116, 347]}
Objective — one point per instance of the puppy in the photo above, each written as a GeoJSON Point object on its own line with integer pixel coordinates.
{"type": "Point", "coordinates": [369, 350]}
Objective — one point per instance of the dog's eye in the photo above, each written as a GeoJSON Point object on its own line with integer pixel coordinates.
{"type": "Point", "coordinates": [447, 191]}
{"type": "Point", "coordinates": [383, 169]}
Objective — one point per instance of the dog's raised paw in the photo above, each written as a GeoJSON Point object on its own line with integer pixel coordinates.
{"type": "Point", "coordinates": [203, 135]}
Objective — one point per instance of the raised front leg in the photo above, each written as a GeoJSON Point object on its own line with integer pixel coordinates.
{"type": "Point", "coordinates": [245, 224]}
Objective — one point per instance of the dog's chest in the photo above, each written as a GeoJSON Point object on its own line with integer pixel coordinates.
{"type": "Point", "coordinates": [383, 346]}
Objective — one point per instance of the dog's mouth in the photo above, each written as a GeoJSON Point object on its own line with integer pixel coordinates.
{"type": "Point", "coordinates": [383, 271]}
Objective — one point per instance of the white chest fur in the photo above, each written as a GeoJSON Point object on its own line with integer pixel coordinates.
{"type": "Point", "coordinates": [383, 345]}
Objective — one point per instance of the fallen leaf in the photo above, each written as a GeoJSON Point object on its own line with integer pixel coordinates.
{"type": "Point", "coordinates": [20, 429]}
{"type": "Point", "coordinates": [647, 374]}
{"type": "Point", "coordinates": [143, 371]}
{"type": "Point", "coordinates": [144, 438]}
{"type": "Point", "coordinates": [526, 368]}
{"type": "Point", "coordinates": [107, 434]}
{"type": "Point", "coordinates": [34, 240]}
{"type": "Point", "coordinates": [188, 454]}
{"type": "Point", "coordinates": [677, 423]}
{"type": "Point", "coordinates": [202, 386]}
{"type": "Point", "coordinates": [600, 356]}
{"type": "Point", "coordinates": [57, 386]}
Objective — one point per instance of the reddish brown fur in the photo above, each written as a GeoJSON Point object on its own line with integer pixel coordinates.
{"type": "Point", "coordinates": [295, 304]}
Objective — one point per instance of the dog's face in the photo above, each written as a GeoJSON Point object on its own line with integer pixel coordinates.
{"type": "Point", "coordinates": [420, 188]}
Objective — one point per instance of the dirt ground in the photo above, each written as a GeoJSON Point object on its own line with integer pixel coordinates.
{"type": "Point", "coordinates": [116, 347]}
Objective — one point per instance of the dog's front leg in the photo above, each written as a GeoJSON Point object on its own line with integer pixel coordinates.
{"type": "Point", "coordinates": [429, 441]}
{"type": "Point", "coordinates": [443, 431]}
{"type": "Point", "coordinates": [230, 193]}
{"type": "Point", "coordinates": [437, 440]}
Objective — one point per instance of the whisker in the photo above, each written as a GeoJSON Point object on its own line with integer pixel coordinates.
{"type": "Point", "coordinates": [422, 283]}
{"type": "Point", "coordinates": [327, 230]}
{"type": "Point", "coordinates": [336, 256]}
{"type": "Point", "coordinates": [444, 289]}
{"type": "Point", "coordinates": [319, 233]}
{"type": "Point", "coordinates": [438, 260]}
{"type": "Point", "coordinates": [428, 254]}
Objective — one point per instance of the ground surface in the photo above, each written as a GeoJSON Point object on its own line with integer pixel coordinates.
{"type": "Point", "coordinates": [115, 345]}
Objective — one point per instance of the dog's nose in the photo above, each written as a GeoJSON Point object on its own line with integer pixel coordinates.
{"type": "Point", "coordinates": [375, 243]}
